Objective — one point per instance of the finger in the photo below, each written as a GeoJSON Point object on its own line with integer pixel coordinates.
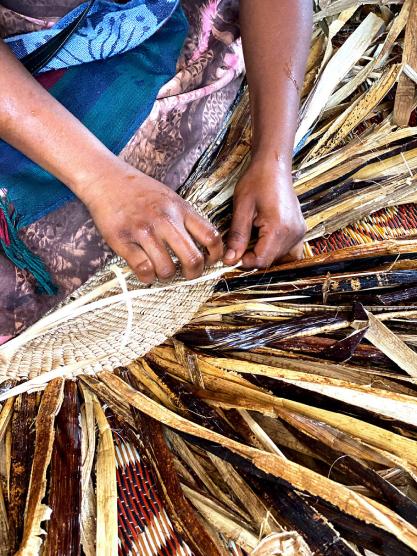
{"type": "Point", "coordinates": [240, 231]}
{"type": "Point", "coordinates": [190, 257]}
{"type": "Point", "coordinates": [273, 244]}
{"type": "Point", "coordinates": [158, 254]}
{"type": "Point", "coordinates": [268, 248]}
{"type": "Point", "coordinates": [294, 254]}
{"type": "Point", "coordinates": [206, 235]}
{"type": "Point", "coordinates": [139, 262]}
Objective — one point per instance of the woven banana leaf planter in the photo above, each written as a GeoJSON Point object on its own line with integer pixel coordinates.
{"type": "Point", "coordinates": [261, 413]}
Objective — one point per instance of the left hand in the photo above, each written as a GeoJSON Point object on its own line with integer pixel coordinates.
{"type": "Point", "coordinates": [265, 198]}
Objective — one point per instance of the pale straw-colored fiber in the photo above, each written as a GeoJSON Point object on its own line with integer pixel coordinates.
{"type": "Point", "coordinates": [109, 322]}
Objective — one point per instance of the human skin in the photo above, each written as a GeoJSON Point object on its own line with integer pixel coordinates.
{"type": "Point", "coordinates": [276, 39]}
{"type": "Point", "coordinates": [139, 217]}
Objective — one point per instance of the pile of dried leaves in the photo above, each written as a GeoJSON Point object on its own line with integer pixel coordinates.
{"type": "Point", "coordinates": [283, 418]}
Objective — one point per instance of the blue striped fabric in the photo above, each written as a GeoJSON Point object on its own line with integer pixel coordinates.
{"type": "Point", "coordinates": [108, 30]}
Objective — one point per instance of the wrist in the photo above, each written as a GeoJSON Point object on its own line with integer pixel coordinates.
{"type": "Point", "coordinates": [272, 159]}
{"type": "Point", "coordinates": [279, 158]}
{"type": "Point", "coordinates": [86, 182]}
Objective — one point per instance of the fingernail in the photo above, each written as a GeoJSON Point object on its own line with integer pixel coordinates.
{"type": "Point", "coordinates": [230, 254]}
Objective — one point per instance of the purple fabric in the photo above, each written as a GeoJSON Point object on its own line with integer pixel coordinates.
{"type": "Point", "coordinates": [185, 119]}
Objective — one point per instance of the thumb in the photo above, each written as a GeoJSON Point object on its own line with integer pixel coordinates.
{"type": "Point", "coordinates": [297, 252]}
{"type": "Point", "coordinates": [240, 231]}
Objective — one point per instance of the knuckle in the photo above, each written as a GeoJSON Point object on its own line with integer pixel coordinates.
{"type": "Point", "coordinates": [186, 207]}
{"type": "Point", "coordinates": [170, 219]}
{"type": "Point", "coordinates": [212, 238]}
{"type": "Point", "coordinates": [237, 236]}
{"type": "Point", "coordinates": [167, 272]}
{"type": "Point", "coordinates": [195, 260]}
{"type": "Point", "coordinates": [164, 211]}
{"type": "Point", "coordinates": [279, 232]}
{"type": "Point", "coordinates": [146, 230]}
{"type": "Point", "coordinates": [144, 267]}
{"type": "Point", "coordinates": [156, 207]}
{"type": "Point", "coordinates": [293, 231]}
{"type": "Point", "coordinates": [124, 235]}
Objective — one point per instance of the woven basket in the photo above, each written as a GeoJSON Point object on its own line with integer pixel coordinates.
{"type": "Point", "coordinates": [108, 322]}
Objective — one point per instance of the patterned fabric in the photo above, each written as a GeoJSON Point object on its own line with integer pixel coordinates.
{"type": "Point", "coordinates": [109, 29]}
{"type": "Point", "coordinates": [183, 122]}
{"type": "Point", "coordinates": [13, 23]}
{"type": "Point", "coordinates": [86, 91]}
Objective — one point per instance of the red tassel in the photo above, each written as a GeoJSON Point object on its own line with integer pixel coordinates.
{"type": "Point", "coordinates": [4, 230]}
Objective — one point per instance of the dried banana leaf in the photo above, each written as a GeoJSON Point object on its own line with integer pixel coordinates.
{"type": "Point", "coordinates": [36, 510]}
{"type": "Point", "coordinates": [281, 419]}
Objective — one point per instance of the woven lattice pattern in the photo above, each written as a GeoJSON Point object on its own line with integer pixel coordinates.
{"type": "Point", "coordinates": [398, 222]}
{"type": "Point", "coordinates": [108, 337]}
{"type": "Point", "coordinates": [144, 526]}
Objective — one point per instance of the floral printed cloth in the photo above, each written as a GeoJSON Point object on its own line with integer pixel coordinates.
{"type": "Point", "coordinates": [109, 29]}
{"type": "Point", "coordinates": [183, 122]}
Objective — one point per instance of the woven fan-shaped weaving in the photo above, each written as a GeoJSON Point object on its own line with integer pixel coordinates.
{"type": "Point", "coordinates": [110, 321]}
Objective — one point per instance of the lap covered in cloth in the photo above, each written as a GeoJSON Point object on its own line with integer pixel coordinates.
{"type": "Point", "coordinates": [168, 114]}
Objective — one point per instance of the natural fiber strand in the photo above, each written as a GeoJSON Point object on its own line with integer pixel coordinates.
{"type": "Point", "coordinates": [263, 412]}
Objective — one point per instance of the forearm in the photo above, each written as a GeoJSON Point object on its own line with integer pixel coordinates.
{"type": "Point", "coordinates": [33, 122]}
{"type": "Point", "coordinates": [276, 38]}
{"type": "Point", "coordinates": [141, 219]}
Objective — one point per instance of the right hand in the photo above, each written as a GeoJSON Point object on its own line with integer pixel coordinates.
{"type": "Point", "coordinates": [140, 217]}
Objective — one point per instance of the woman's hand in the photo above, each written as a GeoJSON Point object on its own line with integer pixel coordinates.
{"type": "Point", "coordinates": [140, 218]}
{"type": "Point", "coordinates": [276, 39]}
{"type": "Point", "coordinates": [265, 198]}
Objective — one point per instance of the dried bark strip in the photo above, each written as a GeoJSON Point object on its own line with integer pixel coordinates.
{"type": "Point", "coordinates": [5, 416]}
{"type": "Point", "coordinates": [107, 537]}
{"type": "Point", "coordinates": [356, 252]}
{"type": "Point", "coordinates": [4, 526]}
{"type": "Point", "coordinates": [311, 516]}
{"type": "Point", "coordinates": [301, 478]}
{"type": "Point", "coordinates": [392, 346]}
{"type": "Point", "coordinates": [359, 473]}
{"type": "Point", "coordinates": [88, 498]}
{"type": "Point", "coordinates": [293, 509]}
{"type": "Point", "coordinates": [22, 449]}
{"type": "Point", "coordinates": [204, 476]}
{"type": "Point", "coordinates": [36, 511]}
{"type": "Point", "coordinates": [236, 392]}
{"type": "Point", "coordinates": [258, 336]}
{"type": "Point", "coordinates": [404, 99]}
{"type": "Point", "coordinates": [63, 532]}
{"type": "Point", "coordinates": [360, 278]}
{"type": "Point", "coordinates": [113, 399]}
{"type": "Point", "coordinates": [263, 521]}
